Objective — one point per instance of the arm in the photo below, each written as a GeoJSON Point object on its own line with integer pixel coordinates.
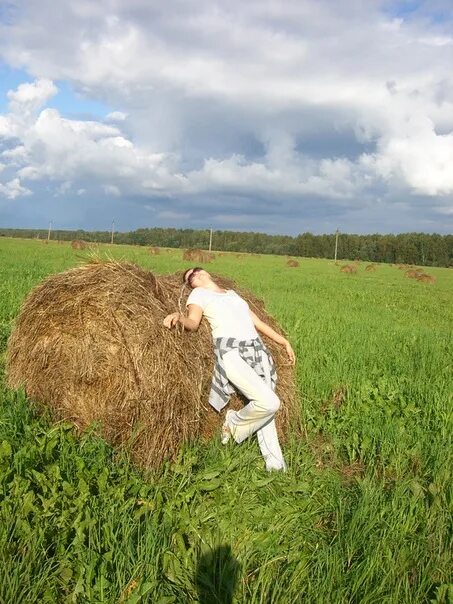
{"type": "Point", "coordinates": [190, 323]}
{"type": "Point", "coordinates": [273, 335]}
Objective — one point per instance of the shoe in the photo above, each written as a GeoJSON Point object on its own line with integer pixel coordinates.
{"type": "Point", "coordinates": [226, 430]}
{"type": "Point", "coordinates": [276, 466]}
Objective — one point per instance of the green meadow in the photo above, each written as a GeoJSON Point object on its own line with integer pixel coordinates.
{"type": "Point", "coordinates": [363, 515]}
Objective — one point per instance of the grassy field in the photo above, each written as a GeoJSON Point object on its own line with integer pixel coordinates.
{"type": "Point", "coordinates": [364, 513]}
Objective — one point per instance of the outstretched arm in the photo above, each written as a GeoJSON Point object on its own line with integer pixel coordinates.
{"type": "Point", "coordinates": [190, 323]}
{"type": "Point", "coordinates": [271, 333]}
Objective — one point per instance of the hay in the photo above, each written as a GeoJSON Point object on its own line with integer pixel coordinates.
{"type": "Point", "coordinates": [414, 273]}
{"type": "Point", "coordinates": [79, 244]}
{"type": "Point", "coordinates": [350, 269]}
{"type": "Point", "coordinates": [90, 345]}
{"type": "Point", "coordinates": [370, 268]}
{"type": "Point", "coordinates": [154, 251]}
{"type": "Point", "coordinates": [425, 278]}
{"type": "Point", "coordinates": [292, 263]}
{"type": "Point", "coordinates": [196, 255]}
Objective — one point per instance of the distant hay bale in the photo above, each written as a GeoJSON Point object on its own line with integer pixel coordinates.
{"type": "Point", "coordinates": [90, 345]}
{"type": "Point", "coordinates": [349, 269]}
{"type": "Point", "coordinates": [154, 251]}
{"type": "Point", "coordinates": [411, 274]}
{"type": "Point", "coordinates": [370, 268]}
{"type": "Point", "coordinates": [79, 244]}
{"type": "Point", "coordinates": [425, 278]}
{"type": "Point", "coordinates": [414, 273]}
{"type": "Point", "coordinates": [196, 255]}
{"type": "Point", "coordinates": [292, 263]}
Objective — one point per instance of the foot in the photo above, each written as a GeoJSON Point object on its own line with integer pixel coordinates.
{"type": "Point", "coordinates": [226, 430]}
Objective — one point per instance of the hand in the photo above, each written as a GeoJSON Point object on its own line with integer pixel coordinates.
{"type": "Point", "coordinates": [172, 320]}
{"type": "Point", "coordinates": [290, 352]}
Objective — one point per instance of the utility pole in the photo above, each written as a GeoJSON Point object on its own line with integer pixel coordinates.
{"type": "Point", "coordinates": [210, 239]}
{"type": "Point", "coordinates": [336, 245]}
{"type": "Point", "coordinates": [48, 232]}
{"type": "Point", "coordinates": [113, 230]}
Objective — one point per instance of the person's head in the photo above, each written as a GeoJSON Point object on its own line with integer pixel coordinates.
{"type": "Point", "coordinates": [196, 277]}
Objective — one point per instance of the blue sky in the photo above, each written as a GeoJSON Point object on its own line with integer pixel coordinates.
{"type": "Point", "coordinates": [279, 118]}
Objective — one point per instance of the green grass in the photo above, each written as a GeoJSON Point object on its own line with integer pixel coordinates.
{"type": "Point", "coordinates": [364, 513]}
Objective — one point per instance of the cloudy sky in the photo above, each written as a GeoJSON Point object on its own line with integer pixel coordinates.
{"type": "Point", "coordinates": [281, 116]}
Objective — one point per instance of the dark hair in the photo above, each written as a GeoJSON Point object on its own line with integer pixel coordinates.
{"type": "Point", "coordinates": [195, 268]}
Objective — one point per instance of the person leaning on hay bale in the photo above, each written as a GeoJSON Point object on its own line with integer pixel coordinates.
{"type": "Point", "coordinates": [242, 361]}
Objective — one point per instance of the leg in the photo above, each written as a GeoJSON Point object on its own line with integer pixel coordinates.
{"type": "Point", "coordinates": [263, 401]}
{"type": "Point", "coordinates": [258, 414]}
{"type": "Point", "coordinates": [270, 447]}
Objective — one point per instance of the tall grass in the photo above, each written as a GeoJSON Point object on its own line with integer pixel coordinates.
{"type": "Point", "coordinates": [362, 515]}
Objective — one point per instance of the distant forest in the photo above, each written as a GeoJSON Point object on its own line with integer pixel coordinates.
{"type": "Point", "coordinates": [407, 248]}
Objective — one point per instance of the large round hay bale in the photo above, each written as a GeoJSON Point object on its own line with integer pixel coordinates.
{"type": "Point", "coordinates": [370, 268]}
{"type": "Point", "coordinates": [79, 244]}
{"type": "Point", "coordinates": [90, 345]}
{"type": "Point", "coordinates": [196, 255]}
{"type": "Point", "coordinates": [154, 251]}
{"type": "Point", "coordinates": [292, 263]}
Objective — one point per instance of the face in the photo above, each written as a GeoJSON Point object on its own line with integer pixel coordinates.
{"type": "Point", "coordinates": [196, 277]}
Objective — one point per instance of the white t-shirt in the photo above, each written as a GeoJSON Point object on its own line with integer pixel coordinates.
{"type": "Point", "coordinates": [227, 313]}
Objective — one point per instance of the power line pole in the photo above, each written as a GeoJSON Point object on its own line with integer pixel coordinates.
{"type": "Point", "coordinates": [48, 232]}
{"type": "Point", "coordinates": [113, 230]}
{"type": "Point", "coordinates": [336, 244]}
{"type": "Point", "coordinates": [210, 239]}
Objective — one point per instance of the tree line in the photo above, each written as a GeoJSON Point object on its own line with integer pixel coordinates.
{"type": "Point", "coordinates": [405, 248]}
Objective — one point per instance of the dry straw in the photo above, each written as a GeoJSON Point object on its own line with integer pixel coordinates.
{"type": "Point", "coordinates": [414, 273]}
{"type": "Point", "coordinates": [370, 268]}
{"type": "Point", "coordinates": [292, 263]}
{"type": "Point", "coordinates": [196, 255]}
{"type": "Point", "coordinates": [350, 269]}
{"type": "Point", "coordinates": [90, 345]}
{"type": "Point", "coordinates": [154, 251]}
{"type": "Point", "coordinates": [79, 244]}
{"type": "Point", "coordinates": [425, 278]}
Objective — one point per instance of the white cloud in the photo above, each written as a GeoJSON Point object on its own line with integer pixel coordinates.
{"type": "Point", "coordinates": [236, 99]}
{"type": "Point", "coordinates": [116, 116]}
{"type": "Point", "coordinates": [29, 97]}
{"type": "Point", "coordinates": [13, 189]}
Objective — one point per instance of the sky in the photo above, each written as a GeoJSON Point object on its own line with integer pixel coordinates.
{"type": "Point", "coordinates": [278, 116]}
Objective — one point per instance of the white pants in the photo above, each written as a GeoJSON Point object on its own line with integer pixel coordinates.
{"type": "Point", "coordinates": [258, 415]}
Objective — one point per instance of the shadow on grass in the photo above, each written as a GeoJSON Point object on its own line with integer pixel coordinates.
{"type": "Point", "coordinates": [216, 576]}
